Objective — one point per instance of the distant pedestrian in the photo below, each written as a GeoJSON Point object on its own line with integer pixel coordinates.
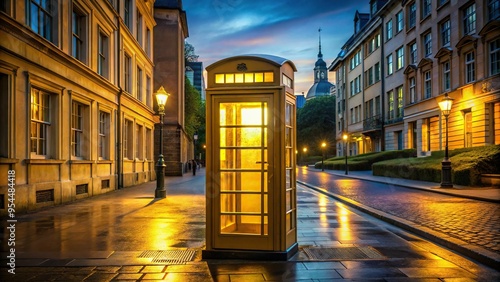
{"type": "Point", "coordinates": [194, 167]}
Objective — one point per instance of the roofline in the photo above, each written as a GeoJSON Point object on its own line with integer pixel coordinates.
{"type": "Point", "coordinates": [275, 60]}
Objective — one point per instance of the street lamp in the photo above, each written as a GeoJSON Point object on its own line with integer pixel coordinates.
{"type": "Point", "coordinates": [345, 153]}
{"type": "Point", "coordinates": [195, 137]}
{"type": "Point", "coordinates": [304, 155]}
{"type": "Point", "coordinates": [445, 106]}
{"type": "Point", "coordinates": [161, 99]}
{"type": "Point", "coordinates": [323, 145]}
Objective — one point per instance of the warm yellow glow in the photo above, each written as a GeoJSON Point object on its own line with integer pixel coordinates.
{"type": "Point", "coordinates": [305, 149]}
{"type": "Point", "coordinates": [323, 145]}
{"type": "Point", "coordinates": [219, 78]}
{"type": "Point", "coordinates": [229, 77]}
{"type": "Point", "coordinates": [445, 104]}
{"type": "Point", "coordinates": [249, 77]}
{"type": "Point", "coordinates": [268, 77]}
{"type": "Point", "coordinates": [161, 98]}
{"type": "Point", "coordinates": [259, 77]}
{"type": "Point", "coordinates": [344, 137]}
{"type": "Point", "coordinates": [238, 78]}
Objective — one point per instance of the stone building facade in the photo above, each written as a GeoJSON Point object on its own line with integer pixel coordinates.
{"type": "Point", "coordinates": [428, 48]}
{"type": "Point", "coordinates": [76, 80]}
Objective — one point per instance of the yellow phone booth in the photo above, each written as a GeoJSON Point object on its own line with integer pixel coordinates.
{"type": "Point", "coordinates": [250, 170]}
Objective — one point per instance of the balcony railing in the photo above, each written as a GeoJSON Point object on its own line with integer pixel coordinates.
{"type": "Point", "coordinates": [394, 116]}
{"type": "Point", "coordinates": [374, 122]}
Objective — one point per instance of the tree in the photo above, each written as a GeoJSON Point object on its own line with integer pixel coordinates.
{"type": "Point", "coordinates": [192, 108]}
{"type": "Point", "coordinates": [189, 54]}
{"type": "Point", "coordinates": [316, 124]}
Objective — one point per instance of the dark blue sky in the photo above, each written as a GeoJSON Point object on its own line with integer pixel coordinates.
{"type": "Point", "coordinates": [223, 28]}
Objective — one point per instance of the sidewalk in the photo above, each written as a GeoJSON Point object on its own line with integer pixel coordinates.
{"type": "Point", "coordinates": [127, 235]}
{"type": "Point", "coordinates": [479, 193]}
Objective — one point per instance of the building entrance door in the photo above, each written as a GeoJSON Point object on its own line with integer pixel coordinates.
{"type": "Point", "coordinates": [244, 173]}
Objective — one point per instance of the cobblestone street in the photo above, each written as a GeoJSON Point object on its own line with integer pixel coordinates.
{"type": "Point", "coordinates": [473, 221]}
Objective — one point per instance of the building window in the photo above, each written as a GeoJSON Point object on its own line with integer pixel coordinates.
{"type": "Point", "coordinates": [427, 85]}
{"type": "Point", "coordinates": [78, 41]}
{"type": "Point", "coordinates": [469, 14]}
{"type": "Point", "coordinates": [5, 95]}
{"type": "Point", "coordinates": [128, 14]}
{"type": "Point", "coordinates": [468, 129]}
{"type": "Point", "coordinates": [128, 134]}
{"type": "Point", "coordinates": [370, 76]}
{"type": "Point", "coordinates": [400, 21]}
{"type": "Point", "coordinates": [428, 44]}
{"type": "Point", "coordinates": [412, 15]}
{"type": "Point", "coordinates": [148, 91]}
{"type": "Point", "coordinates": [356, 60]}
{"type": "Point", "coordinates": [388, 29]}
{"type": "Point", "coordinates": [103, 145]}
{"type": "Point", "coordinates": [470, 70]}
{"type": "Point", "coordinates": [148, 41]}
{"type": "Point", "coordinates": [139, 145]}
{"type": "Point", "coordinates": [127, 73]}
{"type": "Point", "coordinates": [389, 64]}
{"type": "Point", "coordinates": [445, 33]}
{"type": "Point", "coordinates": [5, 6]}
{"type": "Point", "coordinates": [426, 8]}
{"type": "Point", "coordinates": [446, 76]}
{"type": "Point", "coordinates": [400, 58]}
{"type": "Point", "coordinates": [413, 97]}
{"type": "Point", "coordinates": [413, 53]}
{"type": "Point", "coordinates": [495, 57]}
{"type": "Point", "coordinates": [149, 151]}
{"type": "Point", "coordinates": [78, 140]}
{"type": "Point", "coordinates": [41, 18]}
{"type": "Point", "coordinates": [493, 9]}
{"type": "Point", "coordinates": [40, 123]}
{"type": "Point", "coordinates": [103, 54]}
{"type": "Point", "coordinates": [390, 99]}
{"type": "Point", "coordinates": [377, 72]}
{"type": "Point", "coordinates": [139, 84]}
{"type": "Point", "coordinates": [139, 28]}
{"type": "Point", "coordinates": [399, 112]}
{"type": "Point", "coordinates": [377, 105]}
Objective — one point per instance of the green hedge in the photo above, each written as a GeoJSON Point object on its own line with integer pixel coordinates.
{"type": "Point", "coordinates": [364, 161]}
{"type": "Point", "coordinates": [467, 165]}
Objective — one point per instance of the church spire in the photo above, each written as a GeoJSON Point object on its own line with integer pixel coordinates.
{"type": "Point", "coordinates": [320, 56]}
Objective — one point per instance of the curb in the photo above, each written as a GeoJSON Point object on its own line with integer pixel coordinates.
{"type": "Point", "coordinates": [481, 255]}
{"type": "Point", "coordinates": [418, 188]}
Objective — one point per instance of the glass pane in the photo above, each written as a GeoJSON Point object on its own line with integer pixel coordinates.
{"type": "Point", "coordinates": [242, 224]}
{"type": "Point", "coordinates": [288, 137]}
{"type": "Point", "coordinates": [288, 178]}
{"type": "Point", "coordinates": [288, 196]}
{"type": "Point", "coordinates": [268, 77]}
{"type": "Point", "coordinates": [241, 181]}
{"type": "Point", "coordinates": [259, 77]}
{"type": "Point", "coordinates": [249, 77]}
{"type": "Point", "coordinates": [241, 159]}
{"type": "Point", "coordinates": [229, 77]}
{"type": "Point", "coordinates": [249, 113]}
{"type": "Point", "coordinates": [219, 78]}
{"type": "Point", "coordinates": [241, 137]}
{"type": "Point", "coordinates": [238, 78]}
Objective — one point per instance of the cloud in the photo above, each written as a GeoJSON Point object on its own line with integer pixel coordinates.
{"type": "Point", "coordinates": [224, 28]}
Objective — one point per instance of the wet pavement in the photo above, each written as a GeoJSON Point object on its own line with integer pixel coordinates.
{"type": "Point", "coordinates": [119, 236]}
{"type": "Point", "coordinates": [471, 225]}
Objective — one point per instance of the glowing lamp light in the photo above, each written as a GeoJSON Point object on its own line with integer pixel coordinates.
{"type": "Point", "coordinates": [161, 98]}
{"type": "Point", "coordinates": [445, 104]}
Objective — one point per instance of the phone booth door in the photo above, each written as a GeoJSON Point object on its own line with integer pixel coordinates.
{"type": "Point", "coordinates": [243, 168]}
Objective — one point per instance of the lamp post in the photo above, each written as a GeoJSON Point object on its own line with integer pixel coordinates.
{"type": "Point", "coordinates": [345, 153]}
{"type": "Point", "coordinates": [445, 106]}
{"type": "Point", "coordinates": [161, 99]}
{"type": "Point", "coordinates": [195, 137]}
{"type": "Point", "coordinates": [323, 145]}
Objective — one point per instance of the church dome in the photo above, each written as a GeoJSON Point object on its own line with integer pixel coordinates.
{"type": "Point", "coordinates": [320, 88]}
